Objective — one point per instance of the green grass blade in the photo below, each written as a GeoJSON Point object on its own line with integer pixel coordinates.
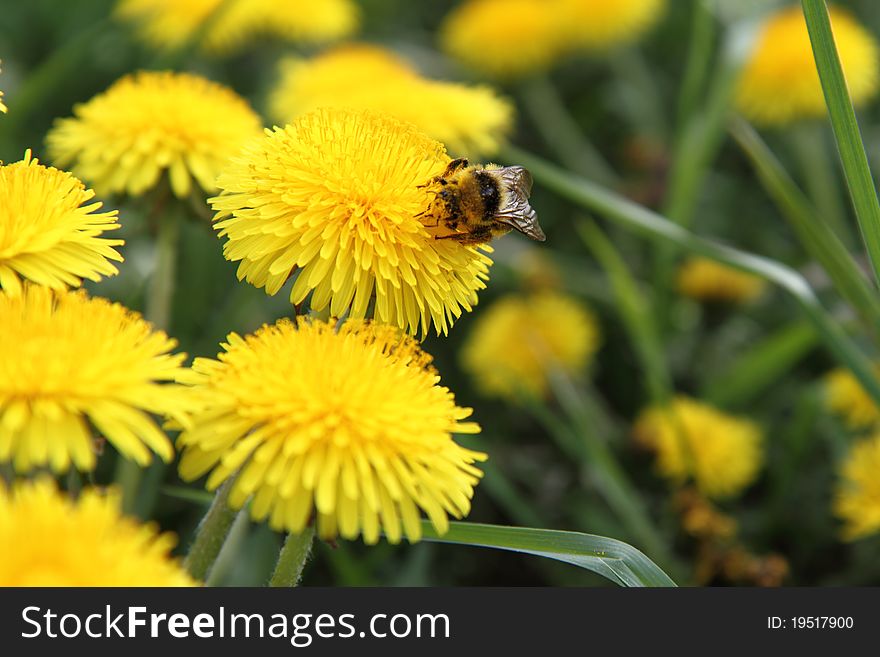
{"type": "Point", "coordinates": [814, 234]}
{"type": "Point", "coordinates": [582, 444]}
{"type": "Point", "coordinates": [846, 128]}
{"type": "Point", "coordinates": [697, 67]}
{"type": "Point", "coordinates": [623, 211]}
{"type": "Point", "coordinates": [634, 311]}
{"type": "Point", "coordinates": [754, 371]}
{"type": "Point", "coordinates": [619, 562]}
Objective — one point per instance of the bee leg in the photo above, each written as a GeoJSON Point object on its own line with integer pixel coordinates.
{"type": "Point", "coordinates": [455, 165]}
{"type": "Point", "coordinates": [452, 167]}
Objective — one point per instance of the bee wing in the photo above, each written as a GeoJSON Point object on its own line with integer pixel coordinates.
{"type": "Point", "coordinates": [516, 212]}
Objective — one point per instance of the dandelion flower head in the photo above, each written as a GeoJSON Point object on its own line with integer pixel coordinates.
{"type": "Point", "coordinates": [721, 453]}
{"type": "Point", "coordinates": [857, 495]}
{"type": "Point", "coordinates": [48, 539]}
{"type": "Point", "coordinates": [469, 120]}
{"type": "Point", "coordinates": [229, 25]}
{"type": "Point", "coordinates": [518, 340]}
{"type": "Point", "coordinates": [150, 123]}
{"type": "Point", "coordinates": [846, 397]}
{"type": "Point", "coordinates": [348, 424]}
{"type": "Point", "coordinates": [779, 82]}
{"type": "Point", "coordinates": [335, 197]}
{"type": "Point", "coordinates": [70, 364]}
{"type": "Point", "coordinates": [599, 24]}
{"type": "Point", "coordinates": [707, 280]}
{"type": "Point", "coordinates": [50, 232]}
{"type": "Point", "coordinates": [504, 38]}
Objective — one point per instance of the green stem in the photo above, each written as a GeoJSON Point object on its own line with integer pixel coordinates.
{"type": "Point", "coordinates": [157, 310]}
{"type": "Point", "coordinates": [695, 148]}
{"type": "Point", "coordinates": [846, 128]}
{"type": "Point", "coordinates": [128, 477]}
{"type": "Point", "coordinates": [292, 558]}
{"type": "Point", "coordinates": [561, 132]}
{"type": "Point", "coordinates": [211, 534]}
{"type": "Point", "coordinates": [634, 312]}
{"type": "Point", "coordinates": [160, 293]}
{"type": "Point", "coordinates": [623, 211]}
{"type": "Point", "coordinates": [698, 63]}
{"type": "Point", "coordinates": [807, 141]}
{"type": "Point", "coordinates": [229, 552]}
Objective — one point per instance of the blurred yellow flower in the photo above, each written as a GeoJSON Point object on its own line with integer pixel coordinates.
{"type": "Point", "coordinates": [857, 494]}
{"type": "Point", "coordinates": [231, 24]}
{"type": "Point", "coordinates": [151, 122]}
{"type": "Point", "coordinates": [348, 422]}
{"type": "Point", "coordinates": [69, 363]}
{"type": "Point", "coordinates": [47, 235]}
{"type": "Point", "coordinates": [334, 197]}
{"type": "Point", "coordinates": [721, 453]}
{"type": "Point", "coordinates": [707, 280]}
{"type": "Point", "coordinates": [505, 38]}
{"type": "Point", "coordinates": [470, 121]}
{"type": "Point", "coordinates": [846, 397]}
{"type": "Point", "coordinates": [600, 24]}
{"type": "Point", "coordinates": [2, 106]}
{"type": "Point", "coordinates": [517, 38]}
{"type": "Point", "coordinates": [780, 84]}
{"type": "Point", "coordinates": [518, 340]}
{"type": "Point", "coordinates": [48, 539]}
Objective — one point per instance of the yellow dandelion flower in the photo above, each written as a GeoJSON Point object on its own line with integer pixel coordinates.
{"type": "Point", "coordinates": [348, 422]}
{"type": "Point", "coordinates": [517, 342]}
{"type": "Point", "coordinates": [599, 24]}
{"type": "Point", "coordinates": [48, 539]}
{"type": "Point", "coordinates": [69, 363]}
{"type": "Point", "coordinates": [845, 396]}
{"type": "Point", "coordinates": [707, 280]}
{"type": "Point", "coordinates": [857, 494]}
{"type": "Point", "coordinates": [335, 197]}
{"type": "Point", "coordinates": [505, 38]}
{"type": "Point", "coordinates": [47, 234]}
{"type": "Point", "coordinates": [779, 82]}
{"type": "Point", "coordinates": [470, 121]}
{"type": "Point", "coordinates": [721, 453]}
{"type": "Point", "coordinates": [230, 24]}
{"type": "Point", "coordinates": [153, 122]}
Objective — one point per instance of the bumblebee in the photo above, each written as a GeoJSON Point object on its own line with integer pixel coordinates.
{"type": "Point", "coordinates": [479, 203]}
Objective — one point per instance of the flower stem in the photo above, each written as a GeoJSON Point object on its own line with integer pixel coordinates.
{"type": "Point", "coordinates": [211, 533]}
{"type": "Point", "coordinates": [561, 132]}
{"type": "Point", "coordinates": [292, 558]}
{"type": "Point", "coordinates": [160, 293]}
{"type": "Point", "coordinates": [820, 177]}
{"type": "Point", "coordinates": [157, 310]}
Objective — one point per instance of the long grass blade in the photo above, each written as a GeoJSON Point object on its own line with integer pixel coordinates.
{"type": "Point", "coordinates": [634, 311]}
{"type": "Point", "coordinates": [623, 211]}
{"type": "Point", "coordinates": [619, 562]}
{"type": "Point", "coordinates": [846, 128]}
{"type": "Point", "coordinates": [814, 234]}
